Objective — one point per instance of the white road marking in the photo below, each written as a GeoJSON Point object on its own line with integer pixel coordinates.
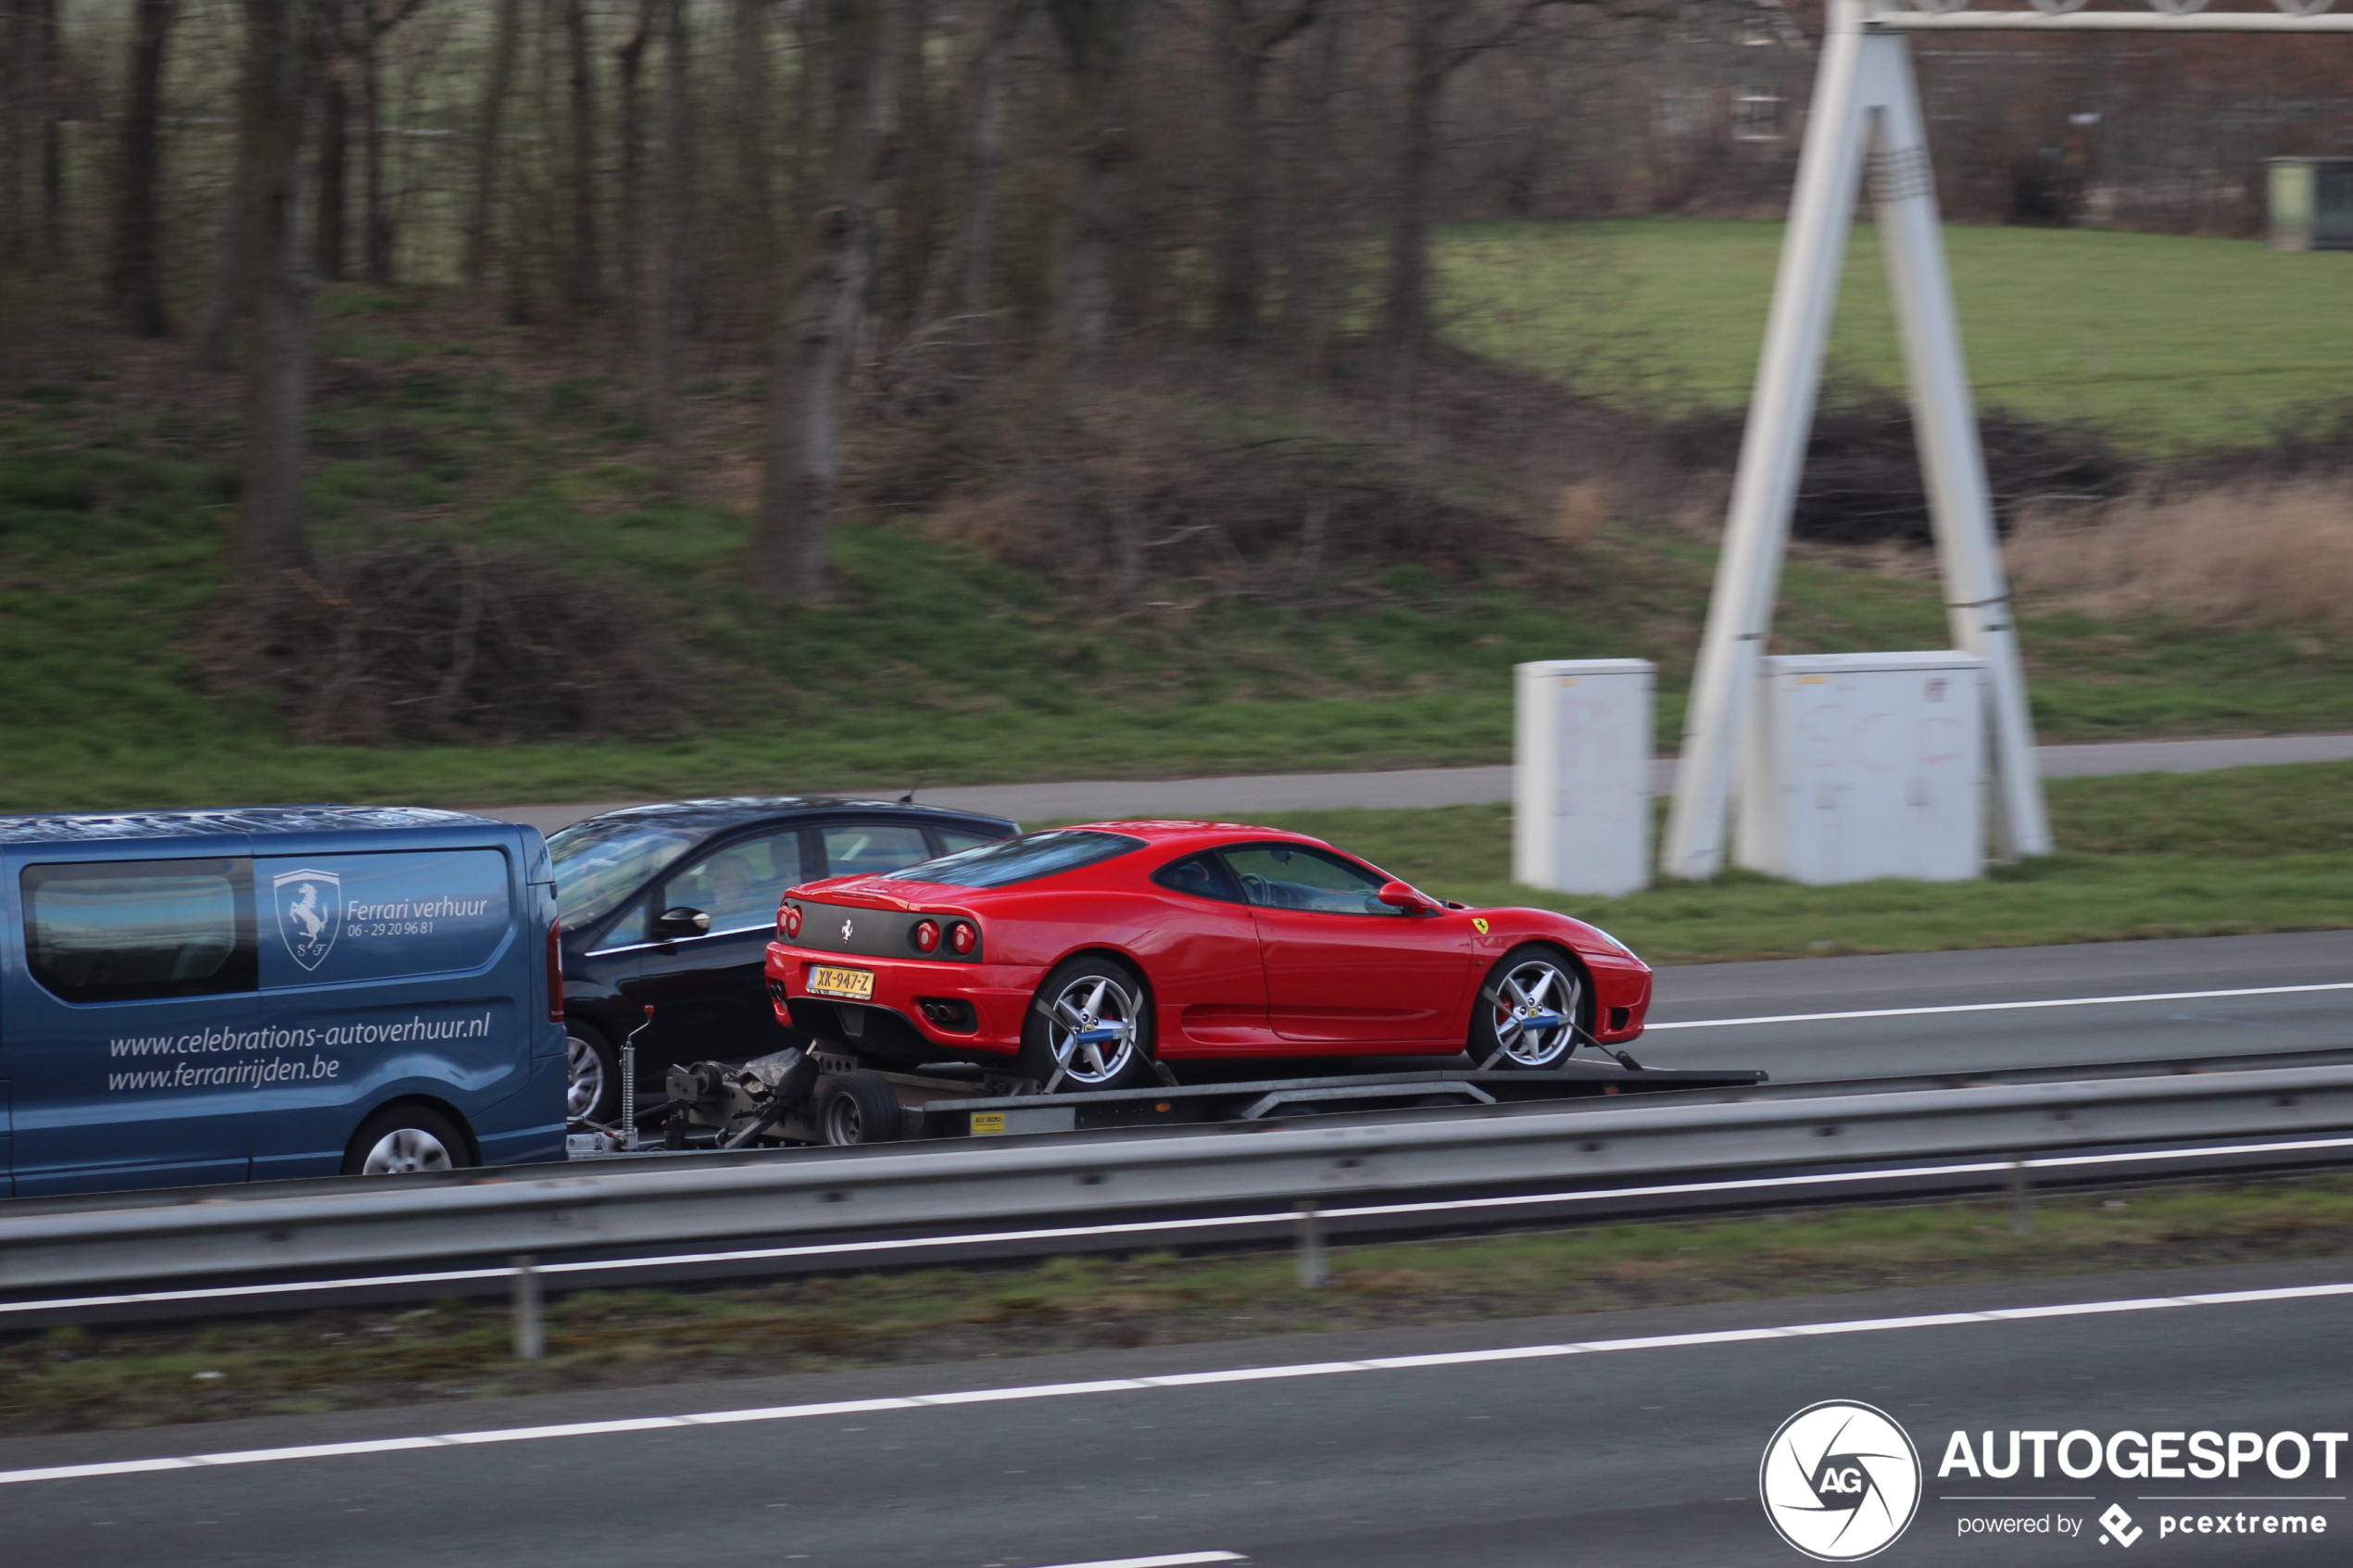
{"type": "Point", "coordinates": [1995, 1007]}
{"type": "Point", "coordinates": [1177, 1560]}
{"type": "Point", "coordinates": [1175, 1380]}
{"type": "Point", "coordinates": [1155, 1227]}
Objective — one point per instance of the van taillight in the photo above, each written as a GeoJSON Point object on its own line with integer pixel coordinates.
{"type": "Point", "coordinates": [555, 971]}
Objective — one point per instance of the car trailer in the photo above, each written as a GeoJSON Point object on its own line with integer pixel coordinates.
{"type": "Point", "coordinates": [817, 1096]}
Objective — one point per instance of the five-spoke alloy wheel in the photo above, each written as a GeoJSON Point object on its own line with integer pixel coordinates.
{"type": "Point", "coordinates": [1089, 1028]}
{"type": "Point", "coordinates": [1528, 1013]}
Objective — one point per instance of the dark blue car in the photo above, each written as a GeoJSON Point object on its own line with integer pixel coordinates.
{"type": "Point", "coordinates": [198, 996]}
{"type": "Point", "coordinates": [672, 905]}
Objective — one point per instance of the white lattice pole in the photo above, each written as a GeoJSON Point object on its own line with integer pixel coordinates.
{"type": "Point", "coordinates": [1977, 595]}
{"type": "Point", "coordinates": [1781, 415]}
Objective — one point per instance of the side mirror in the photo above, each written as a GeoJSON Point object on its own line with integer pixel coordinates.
{"type": "Point", "coordinates": [1398, 895]}
{"type": "Point", "coordinates": [673, 923]}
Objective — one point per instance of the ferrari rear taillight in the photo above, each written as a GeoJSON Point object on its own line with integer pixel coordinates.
{"type": "Point", "coordinates": [789, 921]}
{"type": "Point", "coordinates": [926, 935]}
{"type": "Point", "coordinates": [964, 936]}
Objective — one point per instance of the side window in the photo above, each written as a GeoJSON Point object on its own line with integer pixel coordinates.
{"type": "Point", "coordinates": [120, 931]}
{"type": "Point", "coordinates": [1202, 876]}
{"type": "Point", "coordinates": [740, 886]}
{"type": "Point", "coordinates": [953, 839]}
{"type": "Point", "coordinates": [1291, 877]}
{"type": "Point", "coordinates": [382, 915]}
{"type": "Point", "coordinates": [872, 848]}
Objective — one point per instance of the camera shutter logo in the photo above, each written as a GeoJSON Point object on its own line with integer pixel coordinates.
{"type": "Point", "coordinates": [1840, 1481]}
{"type": "Point", "coordinates": [309, 906]}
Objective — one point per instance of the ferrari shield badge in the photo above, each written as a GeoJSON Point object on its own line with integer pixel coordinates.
{"type": "Point", "coordinates": [1478, 925]}
{"type": "Point", "coordinates": [309, 905]}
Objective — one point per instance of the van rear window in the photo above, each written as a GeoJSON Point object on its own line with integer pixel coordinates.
{"type": "Point", "coordinates": [118, 931]}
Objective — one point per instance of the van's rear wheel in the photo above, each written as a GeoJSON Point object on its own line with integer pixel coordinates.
{"type": "Point", "coordinates": [402, 1138]}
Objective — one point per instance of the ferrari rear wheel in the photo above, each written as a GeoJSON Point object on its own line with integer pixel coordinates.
{"type": "Point", "coordinates": [1090, 1027]}
{"type": "Point", "coordinates": [1529, 1010]}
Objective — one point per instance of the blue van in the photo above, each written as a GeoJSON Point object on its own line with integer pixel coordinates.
{"type": "Point", "coordinates": [224, 996]}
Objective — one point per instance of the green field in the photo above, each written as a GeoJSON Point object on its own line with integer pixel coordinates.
{"type": "Point", "coordinates": [2168, 343]}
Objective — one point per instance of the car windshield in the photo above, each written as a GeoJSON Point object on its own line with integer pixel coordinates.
{"type": "Point", "coordinates": [1020, 860]}
{"type": "Point", "coordinates": [602, 860]}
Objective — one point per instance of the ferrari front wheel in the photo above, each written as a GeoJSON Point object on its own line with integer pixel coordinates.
{"type": "Point", "coordinates": [1529, 1012]}
{"type": "Point", "coordinates": [1090, 1027]}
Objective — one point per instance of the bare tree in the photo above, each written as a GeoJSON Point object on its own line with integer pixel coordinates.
{"type": "Point", "coordinates": [1245, 41]}
{"type": "Point", "coordinates": [49, 40]}
{"type": "Point", "coordinates": [1310, 246]}
{"type": "Point", "coordinates": [134, 281]}
{"type": "Point", "coordinates": [497, 85]}
{"type": "Point", "coordinates": [1094, 36]}
{"type": "Point", "coordinates": [583, 276]}
{"type": "Point", "coordinates": [754, 233]}
{"type": "Point", "coordinates": [989, 84]}
{"type": "Point", "coordinates": [825, 305]}
{"type": "Point", "coordinates": [333, 161]}
{"type": "Point", "coordinates": [272, 520]}
{"type": "Point", "coordinates": [376, 232]}
{"type": "Point", "coordinates": [629, 222]}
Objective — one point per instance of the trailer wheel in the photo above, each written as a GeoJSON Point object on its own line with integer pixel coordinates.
{"type": "Point", "coordinates": [1529, 1008]}
{"type": "Point", "coordinates": [400, 1138]}
{"type": "Point", "coordinates": [859, 1108]}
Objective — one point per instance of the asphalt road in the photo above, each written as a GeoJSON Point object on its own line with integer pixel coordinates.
{"type": "Point", "coordinates": [1625, 1454]}
{"type": "Point", "coordinates": [1696, 1019]}
{"type": "Point", "coordinates": [1245, 796]}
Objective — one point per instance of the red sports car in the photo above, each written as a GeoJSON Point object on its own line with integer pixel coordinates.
{"type": "Point", "coordinates": [1084, 954]}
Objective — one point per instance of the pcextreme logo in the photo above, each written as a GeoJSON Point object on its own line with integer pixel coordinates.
{"type": "Point", "coordinates": [1840, 1481]}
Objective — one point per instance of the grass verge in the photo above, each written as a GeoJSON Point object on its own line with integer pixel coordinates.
{"type": "Point", "coordinates": [69, 1379]}
{"type": "Point", "coordinates": [2220, 854]}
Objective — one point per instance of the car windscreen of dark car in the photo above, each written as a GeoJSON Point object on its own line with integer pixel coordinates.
{"type": "Point", "coordinates": [1025, 859]}
{"type": "Point", "coordinates": [602, 860]}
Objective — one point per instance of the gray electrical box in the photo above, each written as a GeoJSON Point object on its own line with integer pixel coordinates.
{"type": "Point", "coordinates": [2309, 202]}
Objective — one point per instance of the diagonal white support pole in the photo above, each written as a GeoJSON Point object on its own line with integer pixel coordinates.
{"type": "Point", "coordinates": [1960, 506]}
{"type": "Point", "coordinates": [1780, 413]}
{"type": "Point", "coordinates": [1863, 92]}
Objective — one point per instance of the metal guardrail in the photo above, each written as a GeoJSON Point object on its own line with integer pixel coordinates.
{"type": "Point", "coordinates": [542, 1210]}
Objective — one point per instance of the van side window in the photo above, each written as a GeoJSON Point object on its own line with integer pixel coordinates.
{"type": "Point", "coordinates": [120, 931]}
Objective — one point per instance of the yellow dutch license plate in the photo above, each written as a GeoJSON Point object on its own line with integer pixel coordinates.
{"type": "Point", "coordinates": [858, 985]}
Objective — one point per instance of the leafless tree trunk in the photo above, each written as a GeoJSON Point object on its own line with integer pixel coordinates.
{"type": "Point", "coordinates": [375, 237]}
{"type": "Point", "coordinates": [1312, 249]}
{"type": "Point", "coordinates": [135, 281]}
{"type": "Point", "coordinates": [673, 208]}
{"type": "Point", "coordinates": [984, 151]}
{"type": "Point", "coordinates": [822, 310]}
{"type": "Point", "coordinates": [50, 41]}
{"type": "Point", "coordinates": [629, 224]}
{"type": "Point", "coordinates": [495, 87]}
{"type": "Point", "coordinates": [1244, 45]}
{"type": "Point", "coordinates": [1094, 35]}
{"type": "Point", "coordinates": [1406, 307]}
{"type": "Point", "coordinates": [754, 236]}
{"type": "Point", "coordinates": [273, 522]}
{"type": "Point", "coordinates": [334, 143]}
{"type": "Point", "coordinates": [584, 275]}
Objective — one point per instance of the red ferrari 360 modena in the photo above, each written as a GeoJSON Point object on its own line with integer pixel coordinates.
{"type": "Point", "coordinates": [1086, 953]}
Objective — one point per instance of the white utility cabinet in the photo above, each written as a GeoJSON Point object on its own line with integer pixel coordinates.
{"type": "Point", "coordinates": [1580, 790]}
{"type": "Point", "coordinates": [1860, 765]}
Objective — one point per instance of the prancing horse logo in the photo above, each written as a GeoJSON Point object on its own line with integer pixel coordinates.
{"type": "Point", "coordinates": [847, 928]}
{"type": "Point", "coordinates": [309, 905]}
